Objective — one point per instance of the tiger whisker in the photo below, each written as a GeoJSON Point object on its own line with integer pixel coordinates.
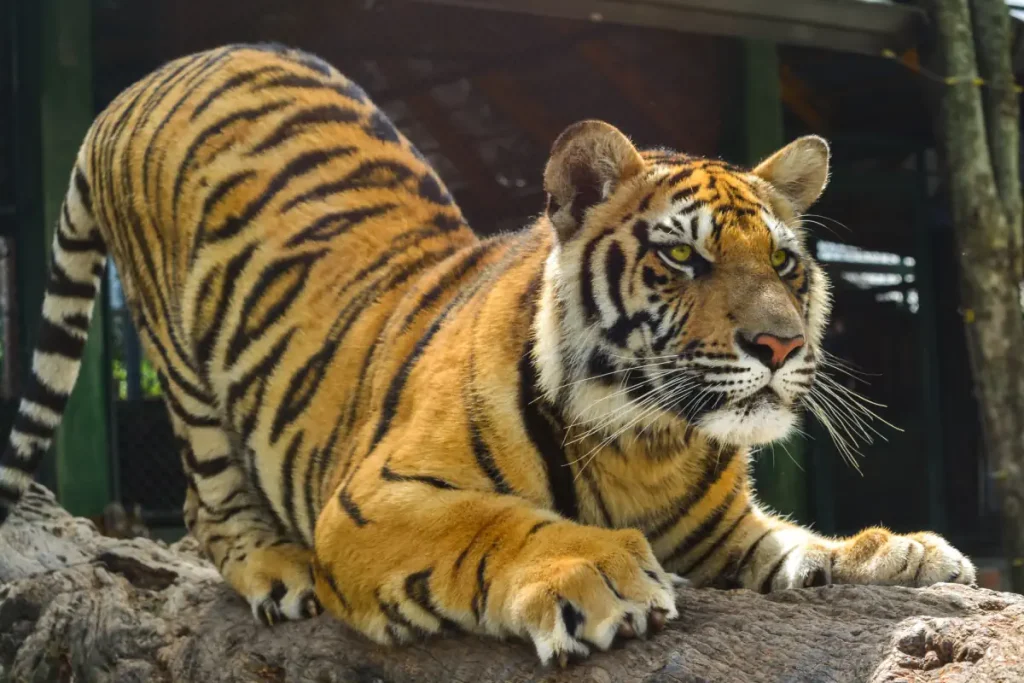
{"type": "Point", "coordinates": [592, 453]}
{"type": "Point", "coordinates": [646, 399]}
{"type": "Point", "coordinates": [622, 389]}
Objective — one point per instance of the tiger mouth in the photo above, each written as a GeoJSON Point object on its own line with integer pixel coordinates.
{"type": "Point", "coordinates": [766, 395]}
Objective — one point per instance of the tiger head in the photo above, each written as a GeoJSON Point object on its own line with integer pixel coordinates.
{"type": "Point", "coordinates": [679, 293]}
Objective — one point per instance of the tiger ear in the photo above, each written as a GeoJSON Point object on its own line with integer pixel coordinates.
{"type": "Point", "coordinates": [798, 171]}
{"type": "Point", "coordinates": [588, 161]}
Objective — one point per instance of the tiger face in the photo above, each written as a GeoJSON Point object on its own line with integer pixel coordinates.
{"type": "Point", "coordinates": [680, 293]}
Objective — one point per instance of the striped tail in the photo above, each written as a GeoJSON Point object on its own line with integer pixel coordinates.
{"type": "Point", "coordinates": [79, 256]}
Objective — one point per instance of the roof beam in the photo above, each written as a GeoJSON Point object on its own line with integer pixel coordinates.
{"type": "Point", "coordinates": [844, 25]}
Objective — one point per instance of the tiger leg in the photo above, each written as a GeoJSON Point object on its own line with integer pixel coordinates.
{"type": "Point", "coordinates": [765, 553]}
{"type": "Point", "coordinates": [414, 557]}
{"type": "Point", "coordinates": [238, 532]}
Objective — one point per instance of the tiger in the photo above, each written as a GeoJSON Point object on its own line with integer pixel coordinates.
{"type": "Point", "coordinates": [539, 435]}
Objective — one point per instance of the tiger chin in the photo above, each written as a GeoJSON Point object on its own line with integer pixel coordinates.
{"type": "Point", "coordinates": [537, 435]}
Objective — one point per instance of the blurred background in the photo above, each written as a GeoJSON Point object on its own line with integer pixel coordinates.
{"type": "Point", "coordinates": [483, 87]}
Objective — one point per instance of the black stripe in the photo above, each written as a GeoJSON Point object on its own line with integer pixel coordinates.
{"type": "Point", "coordinates": [175, 406]}
{"type": "Point", "coordinates": [257, 487]}
{"type": "Point", "coordinates": [288, 479]}
{"type": "Point", "coordinates": [234, 82]}
{"type": "Point", "coordinates": [537, 527]}
{"type": "Point", "coordinates": [380, 128]}
{"type": "Point", "coordinates": [205, 64]}
{"type": "Point", "coordinates": [351, 509]}
{"type": "Point", "coordinates": [78, 321]}
{"type": "Point", "coordinates": [679, 176]}
{"type": "Point", "coordinates": [293, 56]}
{"type": "Point", "coordinates": [389, 474]}
{"type": "Point", "coordinates": [76, 246]}
{"type": "Point", "coordinates": [38, 392]}
{"type": "Point", "coordinates": [219, 192]}
{"type": "Point", "coordinates": [307, 162]}
{"type": "Point", "coordinates": [685, 193]}
{"type": "Point", "coordinates": [310, 486]}
{"type": "Point", "coordinates": [60, 284]}
{"type": "Point", "coordinates": [84, 192]}
{"type": "Point", "coordinates": [394, 393]}
{"type": "Point", "coordinates": [766, 585]}
{"type": "Point", "coordinates": [614, 268]}
{"type": "Point", "coordinates": [301, 388]}
{"type": "Point", "coordinates": [715, 465]}
{"type": "Point", "coordinates": [258, 375]}
{"type": "Point", "coordinates": [55, 339]}
{"type": "Point", "coordinates": [332, 225]}
{"type": "Point", "coordinates": [216, 128]}
{"type": "Point", "coordinates": [8, 496]}
{"type": "Point", "coordinates": [719, 542]}
{"type": "Point", "coordinates": [392, 396]}
{"type": "Point", "coordinates": [545, 439]}
{"type": "Point", "coordinates": [489, 524]}
{"type": "Point", "coordinates": [589, 302]}
{"type": "Point", "coordinates": [293, 272]}
{"type": "Point", "coordinates": [332, 583]}
{"type": "Point", "coordinates": [595, 493]}
{"type": "Point", "coordinates": [180, 383]}
{"type": "Point", "coordinates": [295, 81]}
{"type": "Point", "coordinates": [154, 96]}
{"type": "Point", "coordinates": [326, 456]}
{"type": "Point", "coordinates": [25, 463]}
{"type": "Point", "coordinates": [73, 245]}
{"type": "Point", "coordinates": [395, 618]}
{"type": "Point", "coordinates": [750, 551]}
{"type": "Point", "coordinates": [483, 587]}
{"type": "Point", "coordinates": [206, 468]}
{"type": "Point", "coordinates": [706, 528]}
{"type": "Point", "coordinates": [27, 424]}
{"type": "Point", "coordinates": [206, 342]}
{"type": "Point", "coordinates": [381, 174]}
{"type": "Point", "coordinates": [485, 459]}
{"type": "Point", "coordinates": [305, 382]}
{"type": "Point", "coordinates": [465, 263]}
{"type": "Point", "coordinates": [298, 122]}
{"type": "Point", "coordinates": [417, 589]}
{"type": "Point", "coordinates": [224, 514]}
{"type": "Point", "coordinates": [445, 284]}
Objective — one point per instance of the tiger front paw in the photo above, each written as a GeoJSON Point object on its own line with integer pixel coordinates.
{"type": "Point", "coordinates": [876, 556]}
{"type": "Point", "coordinates": [277, 582]}
{"type": "Point", "coordinates": [873, 557]}
{"type": "Point", "coordinates": [582, 587]}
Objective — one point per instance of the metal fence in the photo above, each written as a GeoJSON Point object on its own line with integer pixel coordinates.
{"type": "Point", "coordinates": [146, 462]}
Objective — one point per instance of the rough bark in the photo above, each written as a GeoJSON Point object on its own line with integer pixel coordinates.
{"type": "Point", "coordinates": [980, 135]}
{"type": "Point", "coordinates": [78, 606]}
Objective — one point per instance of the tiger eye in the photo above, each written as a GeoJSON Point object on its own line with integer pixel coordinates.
{"type": "Point", "coordinates": [681, 252]}
{"type": "Point", "coordinates": [779, 258]}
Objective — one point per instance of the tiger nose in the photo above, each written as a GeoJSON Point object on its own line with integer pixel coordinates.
{"type": "Point", "coordinates": [771, 350]}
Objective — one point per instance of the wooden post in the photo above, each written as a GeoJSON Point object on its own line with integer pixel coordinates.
{"type": "Point", "coordinates": [780, 470]}
{"type": "Point", "coordinates": [66, 111]}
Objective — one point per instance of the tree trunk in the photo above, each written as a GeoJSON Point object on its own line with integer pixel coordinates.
{"type": "Point", "coordinates": [78, 606]}
{"type": "Point", "coordinates": [980, 134]}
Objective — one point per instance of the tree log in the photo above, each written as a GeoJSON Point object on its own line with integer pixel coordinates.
{"type": "Point", "coordinates": [981, 140]}
{"type": "Point", "coordinates": [79, 606]}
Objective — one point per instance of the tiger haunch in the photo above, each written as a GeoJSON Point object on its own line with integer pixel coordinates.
{"type": "Point", "coordinates": [380, 414]}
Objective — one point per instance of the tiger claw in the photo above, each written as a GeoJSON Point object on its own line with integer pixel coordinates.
{"type": "Point", "coordinates": [311, 607]}
{"type": "Point", "coordinates": [269, 613]}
